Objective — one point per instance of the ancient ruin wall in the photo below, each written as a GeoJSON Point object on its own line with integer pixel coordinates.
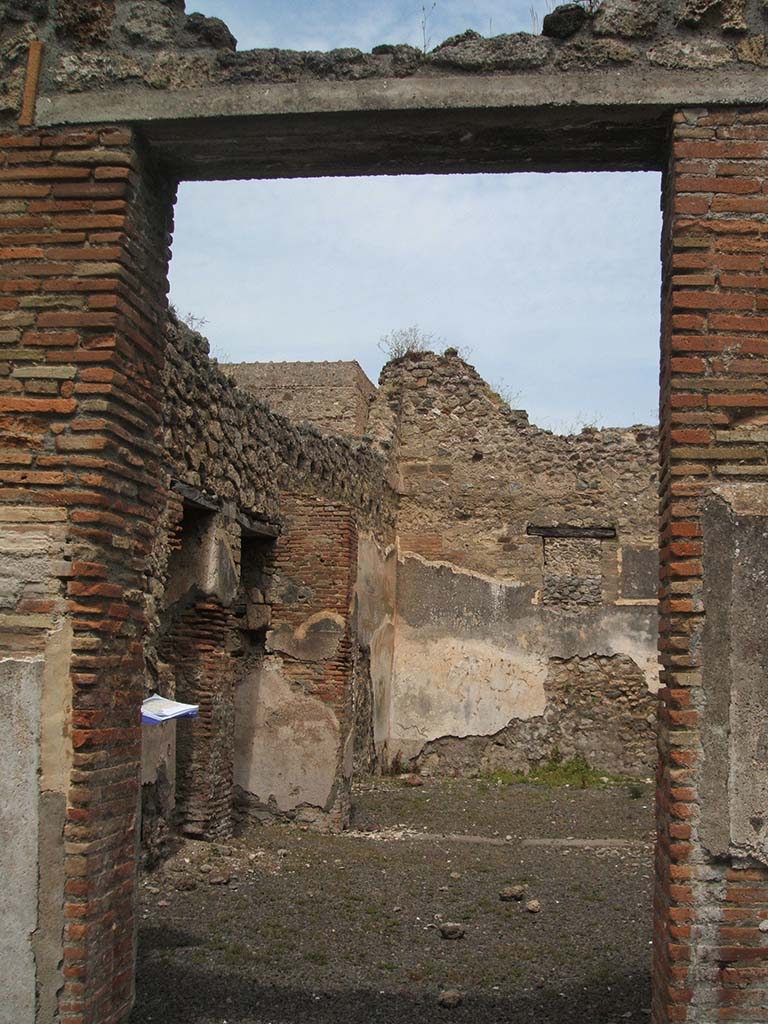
{"type": "Point", "coordinates": [527, 578]}
{"type": "Point", "coordinates": [475, 476]}
{"type": "Point", "coordinates": [334, 396]}
{"type": "Point", "coordinates": [155, 45]}
{"type": "Point", "coordinates": [699, 112]}
{"type": "Point", "coordinates": [222, 441]}
{"type": "Point", "coordinates": [255, 561]}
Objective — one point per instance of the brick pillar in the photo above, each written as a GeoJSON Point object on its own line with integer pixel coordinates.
{"type": "Point", "coordinates": [315, 566]}
{"type": "Point", "coordinates": [204, 669]}
{"type": "Point", "coordinates": [85, 225]}
{"type": "Point", "coordinates": [711, 958]}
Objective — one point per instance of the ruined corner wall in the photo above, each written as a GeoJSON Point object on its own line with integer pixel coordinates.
{"type": "Point", "coordinates": [252, 604]}
{"type": "Point", "coordinates": [527, 575]}
{"type": "Point", "coordinates": [334, 396]}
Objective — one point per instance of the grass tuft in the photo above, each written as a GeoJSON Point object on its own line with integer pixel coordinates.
{"type": "Point", "coordinates": [576, 772]}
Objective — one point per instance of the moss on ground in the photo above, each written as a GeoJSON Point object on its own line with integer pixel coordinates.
{"type": "Point", "coordinates": [575, 771]}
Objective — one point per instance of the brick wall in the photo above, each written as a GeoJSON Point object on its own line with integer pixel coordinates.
{"type": "Point", "coordinates": [204, 670]}
{"type": "Point", "coordinates": [84, 227]}
{"type": "Point", "coordinates": [315, 563]}
{"type": "Point", "coordinates": [711, 957]}
{"type": "Point", "coordinates": [315, 569]}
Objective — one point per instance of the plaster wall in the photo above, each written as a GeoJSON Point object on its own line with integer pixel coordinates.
{"type": "Point", "coordinates": [735, 677]}
{"type": "Point", "coordinates": [293, 746]}
{"type": "Point", "coordinates": [475, 655]}
{"type": "Point", "coordinates": [374, 624]}
{"type": "Point", "coordinates": [21, 688]}
{"type": "Point", "coordinates": [286, 742]}
{"type": "Point", "coordinates": [36, 638]}
{"type": "Point", "coordinates": [526, 578]}
{"type": "Point", "coordinates": [158, 753]}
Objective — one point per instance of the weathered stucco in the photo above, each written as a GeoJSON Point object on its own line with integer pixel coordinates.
{"type": "Point", "coordinates": [518, 548]}
{"type": "Point", "coordinates": [286, 743]}
{"type": "Point", "coordinates": [21, 689]}
{"type": "Point", "coordinates": [735, 677]}
{"type": "Point", "coordinates": [375, 609]}
{"type": "Point", "coordinates": [473, 655]}
{"type": "Point", "coordinates": [451, 687]}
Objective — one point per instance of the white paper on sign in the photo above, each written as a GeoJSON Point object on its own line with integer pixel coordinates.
{"type": "Point", "coordinates": [157, 709]}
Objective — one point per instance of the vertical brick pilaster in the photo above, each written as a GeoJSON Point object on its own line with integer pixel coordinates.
{"type": "Point", "coordinates": [205, 673]}
{"type": "Point", "coordinates": [84, 236]}
{"type": "Point", "coordinates": [710, 957]}
{"type": "Point", "coordinates": [315, 566]}
{"type": "Point", "coordinates": [317, 553]}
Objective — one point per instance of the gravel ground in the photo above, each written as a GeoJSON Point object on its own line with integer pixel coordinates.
{"type": "Point", "coordinates": [285, 925]}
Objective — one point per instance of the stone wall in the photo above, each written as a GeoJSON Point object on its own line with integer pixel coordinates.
{"type": "Point", "coordinates": [518, 550]}
{"type": "Point", "coordinates": [252, 604]}
{"type": "Point", "coordinates": [334, 396]}
{"type": "Point", "coordinates": [526, 580]}
{"type": "Point", "coordinates": [86, 221]}
{"type": "Point", "coordinates": [155, 45]}
{"type": "Point", "coordinates": [222, 441]}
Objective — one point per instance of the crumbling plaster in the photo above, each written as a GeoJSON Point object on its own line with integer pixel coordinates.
{"type": "Point", "coordinates": [375, 616]}
{"type": "Point", "coordinates": [286, 743]}
{"type": "Point", "coordinates": [473, 654]}
{"type": "Point", "coordinates": [21, 691]}
{"type": "Point", "coordinates": [734, 819]}
{"type": "Point", "coordinates": [517, 548]}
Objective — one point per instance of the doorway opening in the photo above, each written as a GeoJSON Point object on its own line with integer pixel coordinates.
{"type": "Point", "coordinates": [442, 698]}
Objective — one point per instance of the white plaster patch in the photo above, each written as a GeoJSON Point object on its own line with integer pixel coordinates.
{"type": "Point", "coordinates": [20, 693]}
{"type": "Point", "coordinates": [453, 687]}
{"type": "Point", "coordinates": [286, 743]}
{"type": "Point", "coordinates": [375, 592]}
{"type": "Point", "coordinates": [635, 646]}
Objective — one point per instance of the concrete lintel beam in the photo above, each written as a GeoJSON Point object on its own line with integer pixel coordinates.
{"type": "Point", "coordinates": [587, 120]}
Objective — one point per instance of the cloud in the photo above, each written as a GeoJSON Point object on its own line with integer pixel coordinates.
{"type": "Point", "coordinates": [326, 24]}
{"type": "Point", "coordinates": [552, 280]}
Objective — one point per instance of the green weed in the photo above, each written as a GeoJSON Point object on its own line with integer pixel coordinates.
{"type": "Point", "coordinates": [576, 772]}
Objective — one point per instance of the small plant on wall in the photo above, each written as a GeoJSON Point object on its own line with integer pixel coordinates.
{"type": "Point", "coordinates": [427, 10]}
{"type": "Point", "coordinates": [407, 341]}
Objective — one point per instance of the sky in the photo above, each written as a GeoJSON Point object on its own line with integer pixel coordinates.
{"type": "Point", "coordinates": [550, 282]}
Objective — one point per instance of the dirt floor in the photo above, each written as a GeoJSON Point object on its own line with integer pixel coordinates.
{"type": "Point", "coordinates": [286, 925]}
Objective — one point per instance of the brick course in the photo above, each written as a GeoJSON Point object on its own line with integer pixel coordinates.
{"type": "Point", "coordinates": [94, 454]}
{"type": "Point", "coordinates": [707, 944]}
{"type": "Point", "coordinates": [83, 290]}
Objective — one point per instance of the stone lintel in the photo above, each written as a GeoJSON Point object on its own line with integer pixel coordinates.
{"type": "Point", "coordinates": [612, 120]}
